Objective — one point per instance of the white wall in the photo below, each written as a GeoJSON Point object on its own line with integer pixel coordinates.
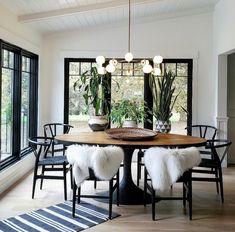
{"type": "Point", "coordinates": [18, 34]}
{"type": "Point", "coordinates": [224, 44]}
{"type": "Point", "coordinates": [224, 33]}
{"type": "Point", "coordinates": [182, 37]}
{"type": "Point", "coordinates": [24, 37]}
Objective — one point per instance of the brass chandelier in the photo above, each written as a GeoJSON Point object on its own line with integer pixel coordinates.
{"type": "Point", "coordinates": [145, 63]}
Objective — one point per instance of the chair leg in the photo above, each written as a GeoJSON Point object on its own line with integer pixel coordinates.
{"type": "Point", "coordinates": [95, 184]}
{"type": "Point", "coordinates": [153, 204]}
{"type": "Point", "coordinates": [79, 194]}
{"type": "Point", "coordinates": [139, 154]}
{"type": "Point", "coordinates": [190, 195]}
{"type": "Point", "coordinates": [74, 198]}
{"type": "Point", "coordinates": [34, 180]}
{"type": "Point", "coordinates": [117, 190]}
{"type": "Point", "coordinates": [110, 198]}
{"type": "Point", "coordinates": [71, 176]}
{"type": "Point", "coordinates": [43, 170]}
{"type": "Point", "coordinates": [184, 193]}
{"type": "Point", "coordinates": [65, 182]}
{"type": "Point", "coordinates": [221, 184]}
{"type": "Point", "coordinates": [145, 186]}
{"type": "Point", "coordinates": [217, 184]}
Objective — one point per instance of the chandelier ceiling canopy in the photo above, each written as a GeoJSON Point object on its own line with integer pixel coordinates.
{"type": "Point", "coordinates": [146, 66]}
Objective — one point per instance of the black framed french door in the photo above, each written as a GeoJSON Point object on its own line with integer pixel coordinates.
{"type": "Point", "coordinates": [182, 68]}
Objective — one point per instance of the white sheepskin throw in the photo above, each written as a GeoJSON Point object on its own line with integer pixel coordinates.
{"type": "Point", "coordinates": [105, 161]}
{"type": "Point", "coordinates": [165, 166]}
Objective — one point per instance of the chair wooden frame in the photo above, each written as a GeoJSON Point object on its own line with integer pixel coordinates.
{"type": "Point", "coordinates": [187, 192]}
{"type": "Point", "coordinates": [112, 188]}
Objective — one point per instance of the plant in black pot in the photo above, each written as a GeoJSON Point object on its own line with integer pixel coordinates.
{"type": "Point", "coordinates": [163, 100]}
{"type": "Point", "coordinates": [127, 113]}
{"type": "Point", "coordinates": [95, 88]}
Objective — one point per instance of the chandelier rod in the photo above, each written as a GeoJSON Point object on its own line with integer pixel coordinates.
{"type": "Point", "coordinates": [129, 27]}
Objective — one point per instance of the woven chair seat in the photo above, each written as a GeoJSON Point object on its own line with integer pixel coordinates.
{"type": "Point", "coordinates": [55, 160]}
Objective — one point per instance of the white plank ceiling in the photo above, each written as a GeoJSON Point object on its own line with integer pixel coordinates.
{"type": "Point", "coordinates": [50, 16]}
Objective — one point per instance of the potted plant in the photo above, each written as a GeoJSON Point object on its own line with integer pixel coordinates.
{"type": "Point", "coordinates": [94, 87]}
{"type": "Point", "coordinates": [127, 113]}
{"type": "Point", "coordinates": [163, 99]}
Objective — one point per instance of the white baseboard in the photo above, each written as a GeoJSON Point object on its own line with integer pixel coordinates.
{"type": "Point", "coordinates": [16, 171]}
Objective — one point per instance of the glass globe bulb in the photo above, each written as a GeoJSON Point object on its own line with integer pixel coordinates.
{"type": "Point", "coordinates": [142, 62]}
{"type": "Point", "coordinates": [100, 60]}
{"type": "Point", "coordinates": [115, 62]}
{"type": "Point", "coordinates": [110, 68]}
{"type": "Point", "coordinates": [157, 72]}
{"type": "Point", "coordinates": [101, 70]}
{"type": "Point", "coordinates": [128, 57]}
{"type": "Point", "coordinates": [157, 59]}
{"type": "Point", "coordinates": [147, 68]}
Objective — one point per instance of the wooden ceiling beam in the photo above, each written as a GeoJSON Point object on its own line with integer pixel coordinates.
{"type": "Point", "coordinates": [79, 10]}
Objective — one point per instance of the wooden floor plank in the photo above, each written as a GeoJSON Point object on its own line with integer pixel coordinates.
{"type": "Point", "coordinates": [209, 214]}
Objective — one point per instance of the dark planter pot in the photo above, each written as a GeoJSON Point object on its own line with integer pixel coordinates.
{"type": "Point", "coordinates": [163, 126]}
{"type": "Point", "coordinates": [98, 123]}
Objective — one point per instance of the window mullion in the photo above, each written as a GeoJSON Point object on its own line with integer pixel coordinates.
{"type": "Point", "coordinates": [16, 104]}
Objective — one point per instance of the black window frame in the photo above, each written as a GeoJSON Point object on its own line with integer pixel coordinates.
{"type": "Point", "coordinates": [147, 91]}
{"type": "Point", "coordinates": [17, 153]}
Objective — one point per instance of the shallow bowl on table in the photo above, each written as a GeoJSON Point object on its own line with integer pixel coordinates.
{"type": "Point", "coordinates": [130, 133]}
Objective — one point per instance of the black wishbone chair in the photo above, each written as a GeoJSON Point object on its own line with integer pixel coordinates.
{"type": "Point", "coordinates": [159, 174]}
{"type": "Point", "coordinates": [40, 147]}
{"type": "Point", "coordinates": [53, 129]}
{"type": "Point", "coordinates": [218, 148]}
{"type": "Point", "coordinates": [103, 165]}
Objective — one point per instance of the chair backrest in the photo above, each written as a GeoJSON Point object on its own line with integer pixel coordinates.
{"type": "Point", "coordinates": [203, 131]}
{"type": "Point", "coordinates": [40, 146]}
{"type": "Point", "coordinates": [53, 129]}
{"type": "Point", "coordinates": [219, 148]}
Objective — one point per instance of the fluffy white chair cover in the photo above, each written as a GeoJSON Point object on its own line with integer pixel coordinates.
{"type": "Point", "coordinates": [165, 166]}
{"type": "Point", "coordinates": [105, 161]}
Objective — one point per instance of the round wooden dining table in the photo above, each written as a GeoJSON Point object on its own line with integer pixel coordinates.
{"type": "Point", "coordinates": [129, 193]}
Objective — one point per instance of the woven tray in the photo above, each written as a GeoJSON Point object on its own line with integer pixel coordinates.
{"type": "Point", "coordinates": [130, 133]}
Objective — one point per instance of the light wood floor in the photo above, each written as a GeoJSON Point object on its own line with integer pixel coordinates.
{"type": "Point", "coordinates": [209, 214]}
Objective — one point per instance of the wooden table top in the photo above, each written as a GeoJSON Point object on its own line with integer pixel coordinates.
{"type": "Point", "coordinates": [101, 138]}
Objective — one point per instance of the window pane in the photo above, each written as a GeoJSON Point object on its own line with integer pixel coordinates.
{"type": "Point", "coordinates": [6, 113]}
{"type": "Point", "coordinates": [11, 60]}
{"type": "Point", "coordinates": [170, 67]}
{"type": "Point", "coordinates": [77, 116]}
{"type": "Point", "coordinates": [25, 110]}
{"type": "Point", "coordinates": [74, 68]}
{"type": "Point", "coordinates": [5, 58]}
{"type": "Point", "coordinates": [182, 69]}
{"type": "Point", "coordinates": [179, 117]}
{"type": "Point", "coordinates": [129, 85]}
{"type": "Point", "coordinates": [25, 64]}
{"type": "Point", "coordinates": [85, 66]}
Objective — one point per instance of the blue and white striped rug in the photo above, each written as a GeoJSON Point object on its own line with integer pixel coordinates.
{"type": "Point", "coordinates": [57, 218]}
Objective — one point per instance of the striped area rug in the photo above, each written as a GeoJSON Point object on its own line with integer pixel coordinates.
{"type": "Point", "coordinates": [57, 218]}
